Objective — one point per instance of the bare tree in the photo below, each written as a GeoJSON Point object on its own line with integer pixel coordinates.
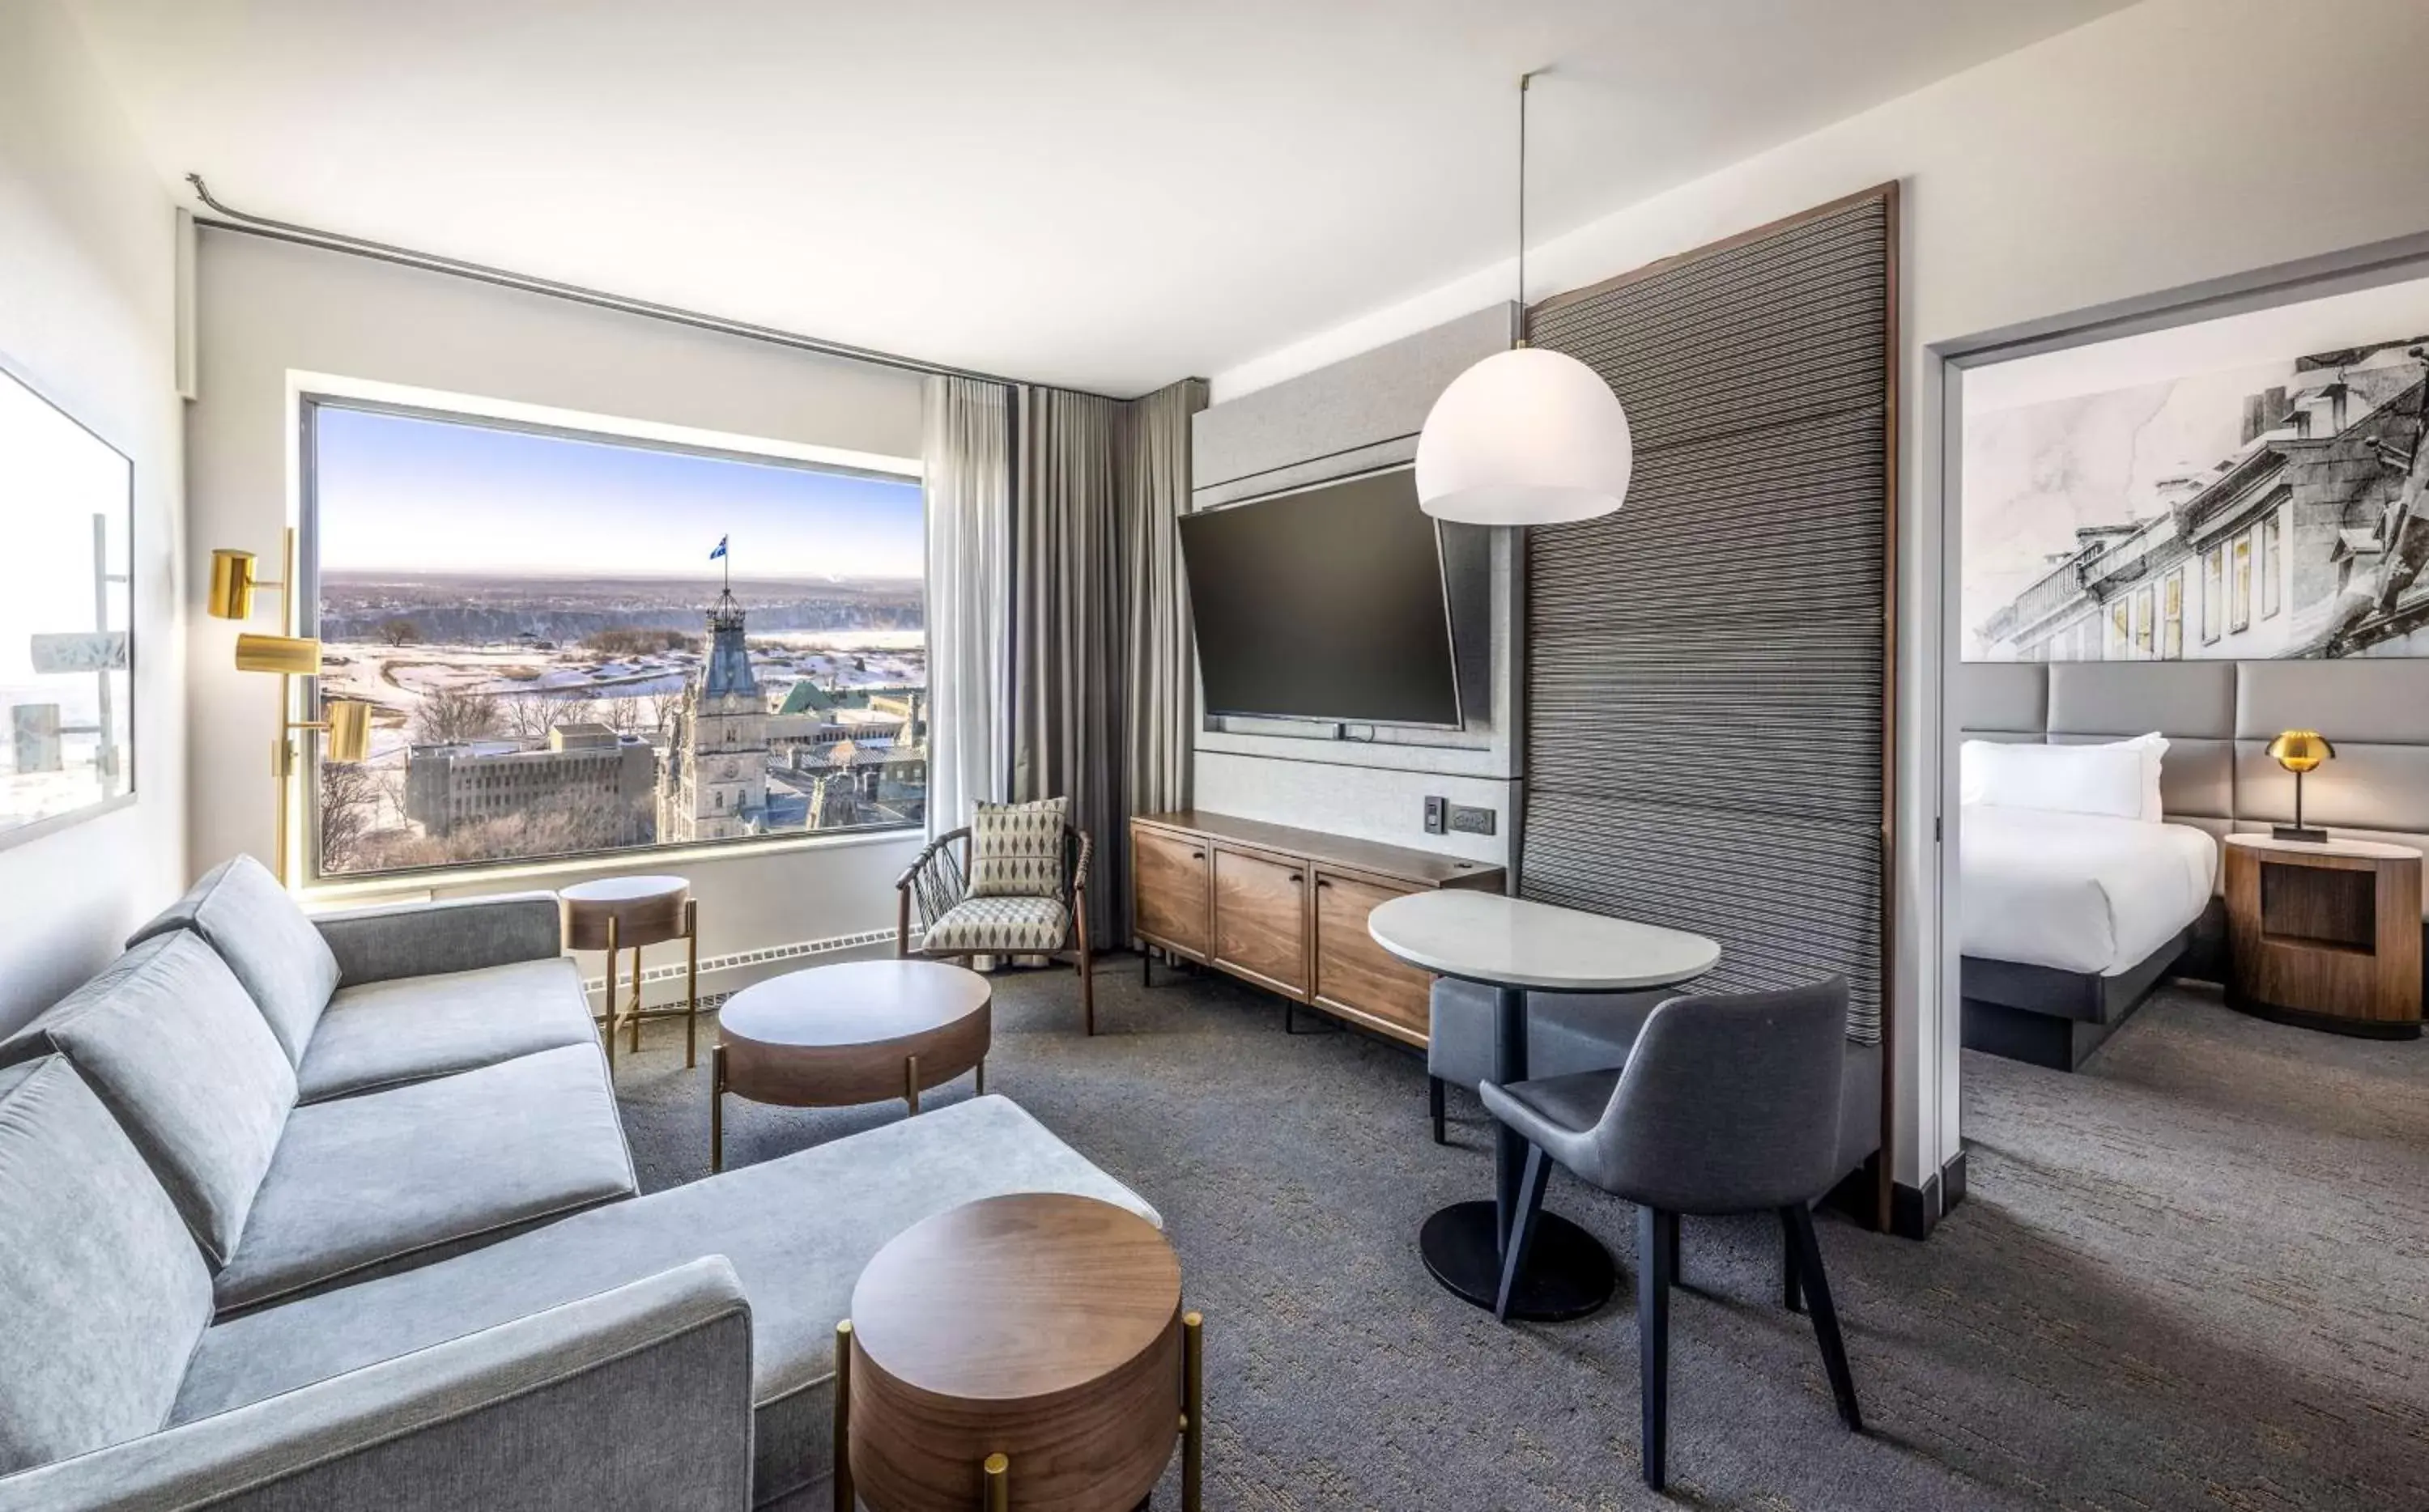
{"type": "Point", "coordinates": [399, 633]}
{"type": "Point", "coordinates": [623, 713]}
{"type": "Point", "coordinates": [353, 794]}
{"type": "Point", "coordinates": [448, 716]}
{"type": "Point", "coordinates": [663, 708]}
{"type": "Point", "coordinates": [527, 716]}
{"type": "Point", "coordinates": [574, 712]}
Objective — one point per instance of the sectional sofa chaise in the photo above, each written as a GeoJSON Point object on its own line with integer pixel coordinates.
{"type": "Point", "coordinates": [336, 1213]}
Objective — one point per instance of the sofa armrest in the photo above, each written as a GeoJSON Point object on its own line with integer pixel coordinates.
{"type": "Point", "coordinates": [425, 939]}
{"type": "Point", "coordinates": [637, 1398]}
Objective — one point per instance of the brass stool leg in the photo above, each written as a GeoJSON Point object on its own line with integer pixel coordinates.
{"type": "Point", "coordinates": [982, 1076]}
{"type": "Point", "coordinates": [715, 1107]}
{"type": "Point", "coordinates": [636, 1045]}
{"type": "Point", "coordinates": [844, 1499]}
{"type": "Point", "coordinates": [998, 1471]}
{"type": "Point", "coordinates": [691, 984]}
{"type": "Point", "coordinates": [911, 1083]}
{"type": "Point", "coordinates": [1193, 1408]}
{"type": "Point", "coordinates": [614, 960]}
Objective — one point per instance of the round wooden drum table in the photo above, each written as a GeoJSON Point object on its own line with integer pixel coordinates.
{"type": "Point", "coordinates": [1026, 1352]}
{"type": "Point", "coordinates": [862, 1031]}
{"type": "Point", "coordinates": [618, 913]}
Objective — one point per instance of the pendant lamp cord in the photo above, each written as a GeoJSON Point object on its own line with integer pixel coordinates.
{"type": "Point", "coordinates": [1523, 79]}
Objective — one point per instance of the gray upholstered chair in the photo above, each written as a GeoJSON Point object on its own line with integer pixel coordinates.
{"type": "Point", "coordinates": [955, 924]}
{"type": "Point", "coordinates": [1565, 1032]}
{"type": "Point", "coordinates": [1728, 1104]}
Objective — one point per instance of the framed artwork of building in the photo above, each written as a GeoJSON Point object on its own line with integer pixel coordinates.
{"type": "Point", "coordinates": [2222, 508]}
{"type": "Point", "coordinates": [67, 718]}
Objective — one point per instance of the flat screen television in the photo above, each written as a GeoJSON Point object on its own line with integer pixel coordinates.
{"type": "Point", "coordinates": [1324, 605]}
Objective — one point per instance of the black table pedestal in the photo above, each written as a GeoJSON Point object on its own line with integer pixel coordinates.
{"type": "Point", "coordinates": [1568, 1271]}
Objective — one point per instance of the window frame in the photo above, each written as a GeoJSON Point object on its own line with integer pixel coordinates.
{"type": "Point", "coordinates": [310, 394]}
{"type": "Point", "coordinates": [2146, 622]}
{"type": "Point", "coordinates": [2240, 552]}
{"type": "Point", "coordinates": [2171, 615]}
{"type": "Point", "coordinates": [2271, 555]}
{"type": "Point", "coordinates": [2213, 611]}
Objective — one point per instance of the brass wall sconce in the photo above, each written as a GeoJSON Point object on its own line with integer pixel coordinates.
{"type": "Point", "coordinates": [345, 723]}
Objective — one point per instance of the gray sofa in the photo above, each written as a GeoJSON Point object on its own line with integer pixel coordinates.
{"type": "Point", "coordinates": [337, 1213]}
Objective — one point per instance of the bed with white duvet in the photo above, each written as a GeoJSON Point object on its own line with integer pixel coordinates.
{"type": "Point", "coordinates": [2087, 893]}
{"type": "Point", "coordinates": [2076, 897]}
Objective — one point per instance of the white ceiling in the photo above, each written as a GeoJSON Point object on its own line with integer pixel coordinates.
{"type": "Point", "coordinates": [1104, 193]}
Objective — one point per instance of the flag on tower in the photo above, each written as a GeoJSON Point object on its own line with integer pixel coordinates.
{"type": "Point", "coordinates": [720, 547]}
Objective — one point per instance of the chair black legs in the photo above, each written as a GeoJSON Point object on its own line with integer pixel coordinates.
{"type": "Point", "coordinates": [1434, 1106]}
{"type": "Point", "coordinates": [1808, 1272]}
{"type": "Point", "coordinates": [1522, 1225]}
{"type": "Point", "coordinates": [1657, 1253]}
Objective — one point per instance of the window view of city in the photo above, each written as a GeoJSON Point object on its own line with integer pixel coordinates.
{"type": "Point", "coordinates": [576, 646]}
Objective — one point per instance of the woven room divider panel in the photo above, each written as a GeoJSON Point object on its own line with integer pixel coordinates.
{"type": "Point", "coordinates": [1707, 671]}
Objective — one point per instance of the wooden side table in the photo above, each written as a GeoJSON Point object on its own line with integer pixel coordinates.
{"type": "Point", "coordinates": [2325, 935]}
{"type": "Point", "coordinates": [861, 1031]}
{"type": "Point", "coordinates": [616, 914]}
{"type": "Point", "coordinates": [1026, 1351]}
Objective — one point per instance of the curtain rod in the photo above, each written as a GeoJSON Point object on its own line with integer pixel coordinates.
{"type": "Point", "coordinates": [262, 225]}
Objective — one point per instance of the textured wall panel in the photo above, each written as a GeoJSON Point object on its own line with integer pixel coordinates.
{"type": "Point", "coordinates": [1707, 669]}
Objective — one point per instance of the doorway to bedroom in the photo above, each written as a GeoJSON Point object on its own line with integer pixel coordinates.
{"type": "Point", "coordinates": [2184, 757]}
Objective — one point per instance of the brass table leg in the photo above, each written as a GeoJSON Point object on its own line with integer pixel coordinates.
{"type": "Point", "coordinates": [998, 1471]}
{"type": "Point", "coordinates": [691, 984]}
{"type": "Point", "coordinates": [911, 1083]}
{"type": "Point", "coordinates": [845, 1500]}
{"type": "Point", "coordinates": [1192, 1409]}
{"type": "Point", "coordinates": [982, 1076]}
{"type": "Point", "coordinates": [715, 1107]}
{"type": "Point", "coordinates": [613, 960]}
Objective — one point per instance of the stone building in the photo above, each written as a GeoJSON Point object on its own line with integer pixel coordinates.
{"type": "Point", "coordinates": [586, 769]}
{"type": "Point", "coordinates": [716, 783]}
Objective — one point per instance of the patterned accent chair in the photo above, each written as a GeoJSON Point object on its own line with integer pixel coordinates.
{"type": "Point", "coordinates": [1011, 882]}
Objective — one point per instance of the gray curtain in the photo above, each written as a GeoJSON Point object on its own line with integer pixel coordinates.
{"type": "Point", "coordinates": [1102, 675]}
{"type": "Point", "coordinates": [966, 453]}
{"type": "Point", "coordinates": [1160, 706]}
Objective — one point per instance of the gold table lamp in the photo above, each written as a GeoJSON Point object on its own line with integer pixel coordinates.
{"type": "Point", "coordinates": [2300, 752]}
{"type": "Point", "coordinates": [345, 722]}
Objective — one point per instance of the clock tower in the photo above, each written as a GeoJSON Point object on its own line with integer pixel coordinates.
{"type": "Point", "coordinates": [717, 786]}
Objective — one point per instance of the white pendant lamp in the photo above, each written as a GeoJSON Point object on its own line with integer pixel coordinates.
{"type": "Point", "coordinates": [1526, 437]}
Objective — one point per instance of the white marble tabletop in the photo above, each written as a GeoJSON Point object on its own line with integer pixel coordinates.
{"type": "Point", "coordinates": [2358, 850]}
{"type": "Point", "coordinates": [1512, 942]}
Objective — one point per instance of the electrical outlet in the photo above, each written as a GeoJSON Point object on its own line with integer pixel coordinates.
{"type": "Point", "coordinates": [1467, 819]}
{"type": "Point", "coordinates": [1436, 814]}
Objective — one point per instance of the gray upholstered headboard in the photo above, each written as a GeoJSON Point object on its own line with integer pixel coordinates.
{"type": "Point", "coordinates": [2219, 718]}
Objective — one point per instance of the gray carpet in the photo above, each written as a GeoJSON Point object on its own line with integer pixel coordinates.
{"type": "Point", "coordinates": [2194, 1276]}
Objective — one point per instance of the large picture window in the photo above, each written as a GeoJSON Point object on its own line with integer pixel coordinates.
{"type": "Point", "coordinates": [578, 642]}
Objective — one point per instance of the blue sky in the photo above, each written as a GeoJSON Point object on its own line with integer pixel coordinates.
{"type": "Point", "coordinates": [400, 494]}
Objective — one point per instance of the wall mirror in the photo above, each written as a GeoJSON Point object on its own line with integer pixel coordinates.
{"type": "Point", "coordinates": [67, 725]}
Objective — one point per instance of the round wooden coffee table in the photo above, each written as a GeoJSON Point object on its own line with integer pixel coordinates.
{"type": "Point", "coordinates": [618, 913]}
{"type": "Point", "coordinates": [1027, 1352]}
{"type": "Point", "coordinates": [862, 1031]}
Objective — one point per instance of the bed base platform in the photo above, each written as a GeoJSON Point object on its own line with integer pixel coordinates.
{"type": "Point", "coordinates": [2058, 1018]}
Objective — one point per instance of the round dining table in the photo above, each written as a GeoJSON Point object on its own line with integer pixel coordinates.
{"type": "Point", "coordinates": [1516, 946]}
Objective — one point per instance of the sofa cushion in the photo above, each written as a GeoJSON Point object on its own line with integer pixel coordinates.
{"type": "Point", "coordinates": [168, 1040]}
{"type": "Point", "coordinates": [239, 909]}
{"type": "Point", "coordinates": [1005, 924]}
{"type": "Point", "coordinates": [412, 1028]}
{"type": "Point", "coordinates": [106, 1293]}
{"type": "Point", "coordinates": [413, 1174]}
{"type": "Point", "coordinates": [1017, 849]}
{"type": "Point", "coordinates": [799, 1231]}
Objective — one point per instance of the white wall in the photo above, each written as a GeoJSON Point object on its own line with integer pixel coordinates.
{"type": "Point", "coordinates": [87, 310]}
{"type": "Point", "coordinates": [2168, 144]}
{"type": "Point", "coordinates": [270, 308]}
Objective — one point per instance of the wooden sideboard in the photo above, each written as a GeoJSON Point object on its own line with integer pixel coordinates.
{"type": "Point", "coordinates": [1286, 909]}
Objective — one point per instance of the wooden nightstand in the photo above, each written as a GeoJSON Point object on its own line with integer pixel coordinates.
{"type": "Point", "coordinates": [2326, 936]}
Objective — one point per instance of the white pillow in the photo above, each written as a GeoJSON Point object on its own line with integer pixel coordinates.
{"type": "Point", "coordinates": [2154, 748]}
{"type": "Point", "coordinates": [2105, 780]}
